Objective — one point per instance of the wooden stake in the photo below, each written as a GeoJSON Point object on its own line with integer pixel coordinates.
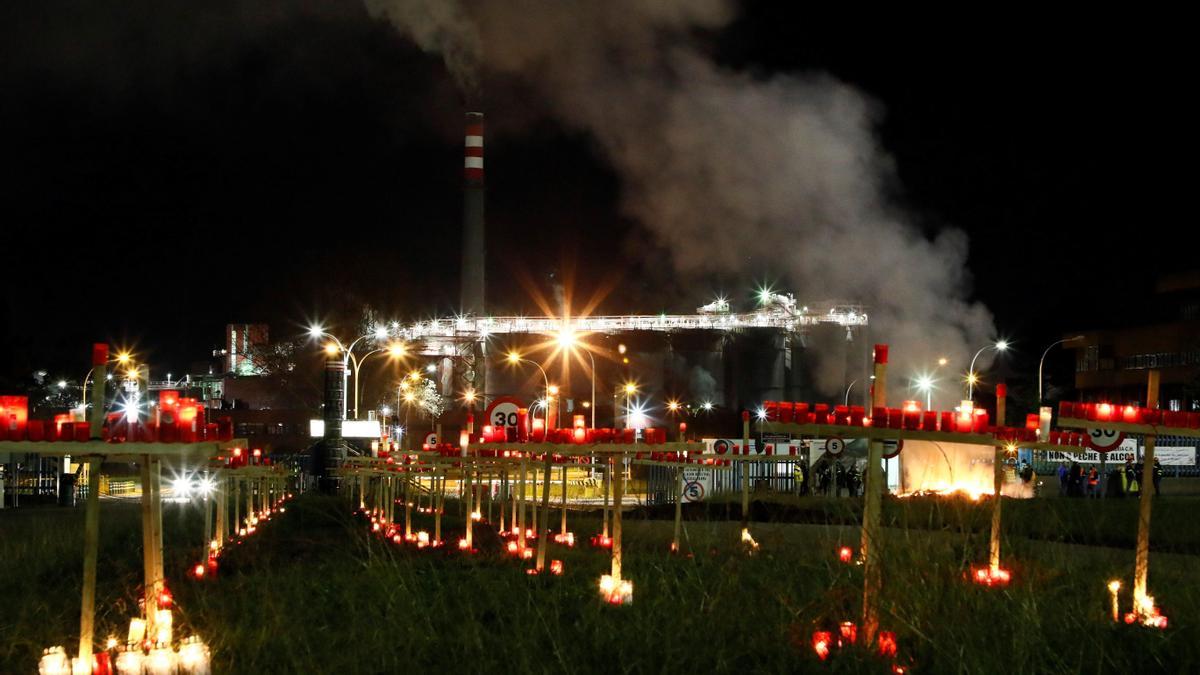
{"type": "Point", "coordinates": [437, 511]}
{"type": "Point", "coordinates": [544, 523]}
{"type": "Point", "coordinates": [521, 508]}
{"type": "Point", "coordinates": [91, 553]}
{"type": "Point", "coordinates": [997, 482]}
{"type": "Point", "coordinates": [607, 478]}
{"type": "Point", "coordinates": [744, 467]}
{"type": "Point", "coordinates": [678, 508]}
{"type": "Point", "coordinates": [564, 500]}
{"type": "Point", "coordinates": [873, 488]}
{"type": "Point", "coordinates": [151, 598]}
{"type": "Point", "coordinates": [618, 488]}
{"type": "Point", "coordinates": [1141, 567]}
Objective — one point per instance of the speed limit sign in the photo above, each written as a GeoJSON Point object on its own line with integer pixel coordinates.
{"type": "Point", "coordinates": [1103, 440]}
{"type": "Point", "coordinates": [431, 439]}
{"type": "Point", "coordinates": [835, 446]}
{"type": "Point", "coordinates": [502, 412]}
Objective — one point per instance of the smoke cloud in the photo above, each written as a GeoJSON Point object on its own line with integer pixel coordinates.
{"type": "Point", "coordinates": [731, 172]}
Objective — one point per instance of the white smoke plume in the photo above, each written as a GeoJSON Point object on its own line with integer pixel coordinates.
{"type": "Point", "coordinates": [731, 172]}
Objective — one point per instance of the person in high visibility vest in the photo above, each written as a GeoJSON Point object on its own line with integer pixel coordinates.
{"type": "Point", "coordinates": [1093, 483]}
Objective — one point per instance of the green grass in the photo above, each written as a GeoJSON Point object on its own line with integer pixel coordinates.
{"type": "Point", "coordinates": [314, 592]}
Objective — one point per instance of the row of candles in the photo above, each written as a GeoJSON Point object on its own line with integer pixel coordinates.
{"type": "Point", "coordinates": [118, 429]}
{"type": "Point", "coordinates": [141, 654]}
{"type": "Point", "coordinates": [965, 419]}
{"type": "Point", "coordinates": [1128, 414]}
{"type": "Point", "coordinates": [579, 433]}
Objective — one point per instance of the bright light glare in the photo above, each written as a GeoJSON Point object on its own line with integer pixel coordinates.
{"type": "Point", "coordinates": [553, 390]}
{"type": "Point", "coordinates": [637, 416]}
{"type": "Point", "coordinates": [672, 405]}
{"type": "Point", "coordinates": [708, 406]}
{"type": "Point", "coordinates": [431, 368]}
{"type": "Point", "coordinates": [331, 349]}
{"type": "Point", "coordinates": [760, 413]}
{"type": "Point", "coordinates": [943, 361]}
{"type": "Point", "coordinates": [397, 350]}
{"type": "Point", "coordinates": [62, 384]}
{"type": "Point", "coordinates": [1001, 345]}
{"type": "Point", "coordinates": [123, 357]}
{"type": "Point", "coordinates": [315, 331]}
{"type": "Point", "coordinates": [206, 486]}
{"type": "Point", "coordinates": [380, 333]}
{"type": "Point", "coordinates": [925, 383]}
{"type": "Point", "coordinates": [630, 388]}
{"type": "Point", "coordinates": [513, 357]}
{"type": "Point", "coordinates": [181, 488]}
{"type": "Point", "coordinates": [566, 337]}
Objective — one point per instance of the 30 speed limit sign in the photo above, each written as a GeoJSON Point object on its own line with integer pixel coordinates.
{"type": "Point", "coordinates": [1104, 440]}
{"type": "Point", "coordinates": [502, 412]}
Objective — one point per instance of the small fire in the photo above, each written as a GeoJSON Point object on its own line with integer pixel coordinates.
{"type": "Point", "coordinates": [1146, 612]}
{"type": "Point", "coordinates": [848, 631]}
{"type": "Point", "coordinates": [991, 576]}
{"type": "Point", "coordinates": [513, 547]}
{"type": "Point", "coordinates": [556, 568]}
{"type": "Point", "coordinates": [526, 554]}
{"type": "Point", "coordinates": [463, 545]}
{"type": "Point", "coordinates": [887, 643]}
{"type": "Point", "coordinates": [616, 592]}
{"type": "Point", "coordinates": [749, 540]}
{"type": "Point", "coordinates": [568, 539]}
{"type": "Point", "coordinates": [821, 641]}
{"type": "Point", "coordinates": [198, 571]}
{"type": "Point", "coordinates": [422, 539]}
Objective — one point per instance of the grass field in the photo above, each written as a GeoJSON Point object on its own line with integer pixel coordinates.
{"type": "Point", "coordinates": [315, 592]}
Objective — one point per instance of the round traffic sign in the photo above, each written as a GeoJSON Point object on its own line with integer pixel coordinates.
{"type": "Point", "coordinates": [502, 412]}
{"type": "Point", "coordinates": [693, 492]}
{"type": "Point", "coordinates": [431, 438]}
{"type": "Point", "coordinates": [835, 446]}
{"type": "Point", "coordinates": [721, 446]}
{"type": "Point", "coordinates": [1104, 440]}
{"type": "Point", "coordinates": [892, 447]}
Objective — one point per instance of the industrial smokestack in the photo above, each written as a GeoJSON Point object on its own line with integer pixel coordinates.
{"type": "Point", "coordinates": [473, 274]}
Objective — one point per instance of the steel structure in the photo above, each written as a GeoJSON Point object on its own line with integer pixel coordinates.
{"type": "Point", "coordinates": [438, 337]}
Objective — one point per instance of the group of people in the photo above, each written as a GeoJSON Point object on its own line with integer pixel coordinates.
{"type": "Point", "coordinates": [848, 479]}
{"type": "Point", "coordinates": [1076, 481]}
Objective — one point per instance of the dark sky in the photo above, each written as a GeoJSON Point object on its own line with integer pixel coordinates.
{"type": "Point", "coordinates": [172, 166]}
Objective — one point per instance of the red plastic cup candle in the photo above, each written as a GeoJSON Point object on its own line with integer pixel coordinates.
{"type": "Point", "coordinates": [1130, 415]}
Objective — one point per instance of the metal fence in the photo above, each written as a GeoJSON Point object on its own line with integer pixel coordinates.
{"type": "Point", "coordinates": [773, 476]}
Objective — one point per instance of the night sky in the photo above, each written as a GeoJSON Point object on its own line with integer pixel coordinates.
{"type": "Point", "coordinates": [170, 167]}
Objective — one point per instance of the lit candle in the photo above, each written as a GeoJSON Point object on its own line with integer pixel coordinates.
{"type": "Point", "coordinates": [137, 631]}
{"type": "Point", "coordinates": [194, 657]}
{"type": "Point", "coordinates": [1114, 587]}
{"type": "Point", "coordinates": [162, 626]}
{"type": "Point", "coordinates": [54, 662]}
{"type": "Point", "coordinates": [160, 661]}
{"type": "Point", "coordinates": [130, 662]}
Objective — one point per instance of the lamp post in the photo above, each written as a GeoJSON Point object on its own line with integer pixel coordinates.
{"type": "Point", "coordinates": [318, 332]}
{"type": "Point", "coordinates": [395, 351]}
{"type": "Point", "coordinates": [514, 358]}
{"type": "Point", "coordinates": [1000, 345]}
{"type": "Point", "coordinates": [1042, 361]}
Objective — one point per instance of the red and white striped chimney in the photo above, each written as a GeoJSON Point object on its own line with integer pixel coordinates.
{"type": "Point", "coordinates": [474, 250]}
{"type": "Point", "coordinates": [473, 150]}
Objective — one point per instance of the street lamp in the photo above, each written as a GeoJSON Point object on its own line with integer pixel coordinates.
{"type": "Point", "coordinates": [316, 331]}
{"type": "Point", "coordinates": [514, 358]}
{"type": "Point", "coordinates": [1042, 361]}
{"type": "Point", "coordinates": [395, 350]}
{"type": "Point", "coordinates": [972, 376]}
{"type": "Point", "coordinates": [925, 384]}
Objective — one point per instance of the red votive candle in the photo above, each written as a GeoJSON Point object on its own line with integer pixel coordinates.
{"type": "Point", "coordinates": [787, 412]}
{"type": "Point", "coordinates": [895, 418]}
{"type": "Point", "coordinates": [929, 420]}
